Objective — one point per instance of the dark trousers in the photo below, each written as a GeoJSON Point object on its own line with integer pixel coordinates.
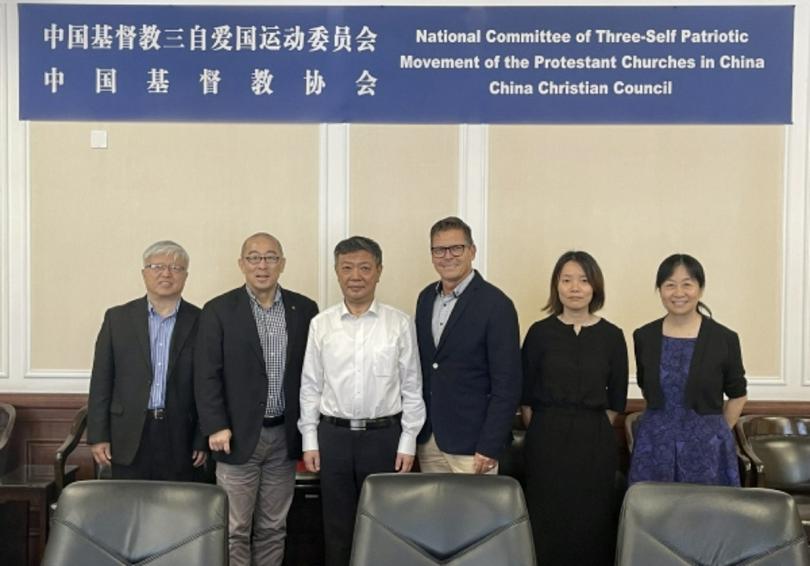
{"type": "Point", "coordinates": [154, 459]}
{"type": "Point", "coordinates": [347, 457]}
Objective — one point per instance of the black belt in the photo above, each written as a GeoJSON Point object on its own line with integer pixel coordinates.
{"type": "Point", "coordinates": [363, 424]}
{"type": "Point", "coordinates": [156, 414]}
{"type": "Point", "coordinates": [273, 421]}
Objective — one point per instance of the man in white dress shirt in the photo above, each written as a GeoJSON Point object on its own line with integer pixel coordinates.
{"type": "Point", "coordinates": [361, 392]}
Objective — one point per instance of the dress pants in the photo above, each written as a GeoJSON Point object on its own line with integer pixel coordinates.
{"type": "Point", "coordinates": [347, 457]}
{"type": "Point", "coordinates": [154, 459]}
{"type": "Point", "coordinates": [260, 492]}
{"type": "Point", "coordinates": [433, 461]}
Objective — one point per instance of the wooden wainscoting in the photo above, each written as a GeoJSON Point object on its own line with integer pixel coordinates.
{"type": "Point", "coordinates": [44, 419]}
{"type": "Point", "coordinates": [43, 422]}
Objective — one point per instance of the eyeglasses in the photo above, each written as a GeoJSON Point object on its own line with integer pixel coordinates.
{"type": "Point", "coordinates": [256, 259]}
{"type": "Point", "coordinates": [159, 267]}
{"type": "Point", "coordinates": [441, 251]}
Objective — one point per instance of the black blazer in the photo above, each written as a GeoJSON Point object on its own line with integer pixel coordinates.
{"type": "Point", "coordinates": [472, 380]}
{"type": "Point", "coordinates": [122, 379]}
{"type": "Point", "coordinates": [230, 377]}
{"type": "Point", "coordinates": [716, 366]}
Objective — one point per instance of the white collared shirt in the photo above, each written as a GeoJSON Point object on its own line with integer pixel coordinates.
{"type": "Point", "coordinates": [362, 367]}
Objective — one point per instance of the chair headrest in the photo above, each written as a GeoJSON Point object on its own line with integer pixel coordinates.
{"type": "Point", "coordinates": [706, 524]}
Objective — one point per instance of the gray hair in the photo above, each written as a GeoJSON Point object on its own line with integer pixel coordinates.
{"type": "Point", "coordinates": [359, 244]}
{"type": "Point", "coordinates": [166, 247]}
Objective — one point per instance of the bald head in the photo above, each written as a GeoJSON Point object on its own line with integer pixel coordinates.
{"type": "Point", "coordinates": [261, 236]}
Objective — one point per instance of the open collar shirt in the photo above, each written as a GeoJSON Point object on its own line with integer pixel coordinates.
{"type": "Point", "coordinates": [362, 367]}
{"type": "Point", "coordinates": [271, 324]}
{"type": "Point", "coordinates": [444, 304]}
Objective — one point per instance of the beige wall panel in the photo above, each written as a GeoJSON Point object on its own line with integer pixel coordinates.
{"type": "Point", "coordinates": [93, 212]}
{"type": "Point", "coordinates": [403, 179]}
{"type": "Point", "coordinates": [631, 195]}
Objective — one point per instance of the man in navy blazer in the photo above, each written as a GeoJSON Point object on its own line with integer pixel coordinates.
{"type": "Point", "coordinates": [469, 346]}
{"type": "Point", "coordinates": [250, 348]}
{"type": "Point", "coordinates": [141, 417]}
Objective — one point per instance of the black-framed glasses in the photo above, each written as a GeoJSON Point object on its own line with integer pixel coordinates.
{"type": "Point", "coordinates": [256, 259]}
{"type": "Point", "coordinates": [441, 251]}
{"type": "Point", "coordinates": [160, 267]}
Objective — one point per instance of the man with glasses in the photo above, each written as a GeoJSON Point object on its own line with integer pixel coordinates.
{"type": "Point", "coordinates": [141, 416]}
{"type": "Point", "coordinates": [250, 348]}
{"type": "Point", "coordinates": [469, 349]}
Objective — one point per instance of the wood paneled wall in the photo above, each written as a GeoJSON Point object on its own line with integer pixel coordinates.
{"type": "Point", "coordinates": [43, 422]}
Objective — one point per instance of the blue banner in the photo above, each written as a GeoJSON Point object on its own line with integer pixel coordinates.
{"type": "Point", "coordinates": [691, 64]}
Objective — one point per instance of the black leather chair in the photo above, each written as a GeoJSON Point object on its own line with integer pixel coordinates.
{"type": "Point", "coordinates": [448, 519]}
{"type": "Point", "coordinates": [779, 448]}
{"type": "Point", "coordinates": [512, 461]}
{"type": "Point", "coordinates": [7, 417]}
{"type": "Point", "coordinates": [685, 524]}
{"type": "Point", "coordinates": [67, 447]}
{"type": "Point", "coordinates": [115, 522]}
{"type": "Point", "coordinates": [630, 427]}
{"type": "Point", "coordinates": [304, 542]}
{"type": "Point", "coordinates": [64, 450]}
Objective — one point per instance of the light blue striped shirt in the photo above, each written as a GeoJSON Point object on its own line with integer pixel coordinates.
{"type": "Point", "coordinates": [160, 341]}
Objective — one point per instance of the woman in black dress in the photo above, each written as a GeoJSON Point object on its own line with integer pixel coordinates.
{"type": "Point", "coordinates": [575, 382]}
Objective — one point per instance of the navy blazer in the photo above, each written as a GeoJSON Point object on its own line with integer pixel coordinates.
{"type": "Point", "coordinates": [716, 366]}
{"type": "Point", "coordinates": [229, 371]}
{"type": "Point", "coordinates": [122, 380]}
{"type": "Point", "coordinates": [472, 379]}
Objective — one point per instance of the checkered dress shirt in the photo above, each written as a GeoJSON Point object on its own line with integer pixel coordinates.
{"type": "Point", "coordinates": [272, 326]}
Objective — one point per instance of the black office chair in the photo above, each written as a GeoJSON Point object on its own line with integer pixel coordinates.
{"type": "Point", "coordinates": [7, 417]}
{"type": "Point", "coordinates": [669, 524]}
{"type": "Point", "coordinates": [449, 519]}
{"type": "Point", "coordinates": [630, 428]}
{"type": "Point", "coordinates": [67, 447]}
{"type": "Point", "coordinates": [512, 461]}
{"type": "Point", "coordinates": [115, 522]}
{"type": "Point", "coordinates": [779, 448]}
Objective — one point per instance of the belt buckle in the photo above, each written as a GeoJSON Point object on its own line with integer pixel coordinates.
{"type": "Point", "coordinates": [357, 424]}
{"type": "Point", "coordinates": [158, 414]}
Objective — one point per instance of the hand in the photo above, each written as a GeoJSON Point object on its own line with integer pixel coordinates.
{"type": "Point", "coordinates": [483, 464]}
{"type": "Point", "coordinates": [312, 461]}
{"type": "Point", "coordinates": [198, 457]}
{"type": "Point", "coordinates": [404, 463]}
{"type": "Point", "coordinates": [220, 441]}
{"type": "Point", "coordinates": [101, 453]}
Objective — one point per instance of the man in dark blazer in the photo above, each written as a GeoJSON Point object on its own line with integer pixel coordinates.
{"type": "Point", "coordinates": [467, 330]}
{"type": "Point", "coordinates": [141, 416]}
{"type": "Point", "coordinates": [250, 348]}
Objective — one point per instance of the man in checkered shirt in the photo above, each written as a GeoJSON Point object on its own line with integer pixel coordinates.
{"type": "Point", "coordinates": [247, 374]}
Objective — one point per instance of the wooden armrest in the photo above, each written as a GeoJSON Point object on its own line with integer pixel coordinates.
{"type": "Point", "coordinates": [745, 449]}
{"type": "Point", "coordinates": [746, 467]}
{"type": "Point", "coordinates": [68, 446]}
